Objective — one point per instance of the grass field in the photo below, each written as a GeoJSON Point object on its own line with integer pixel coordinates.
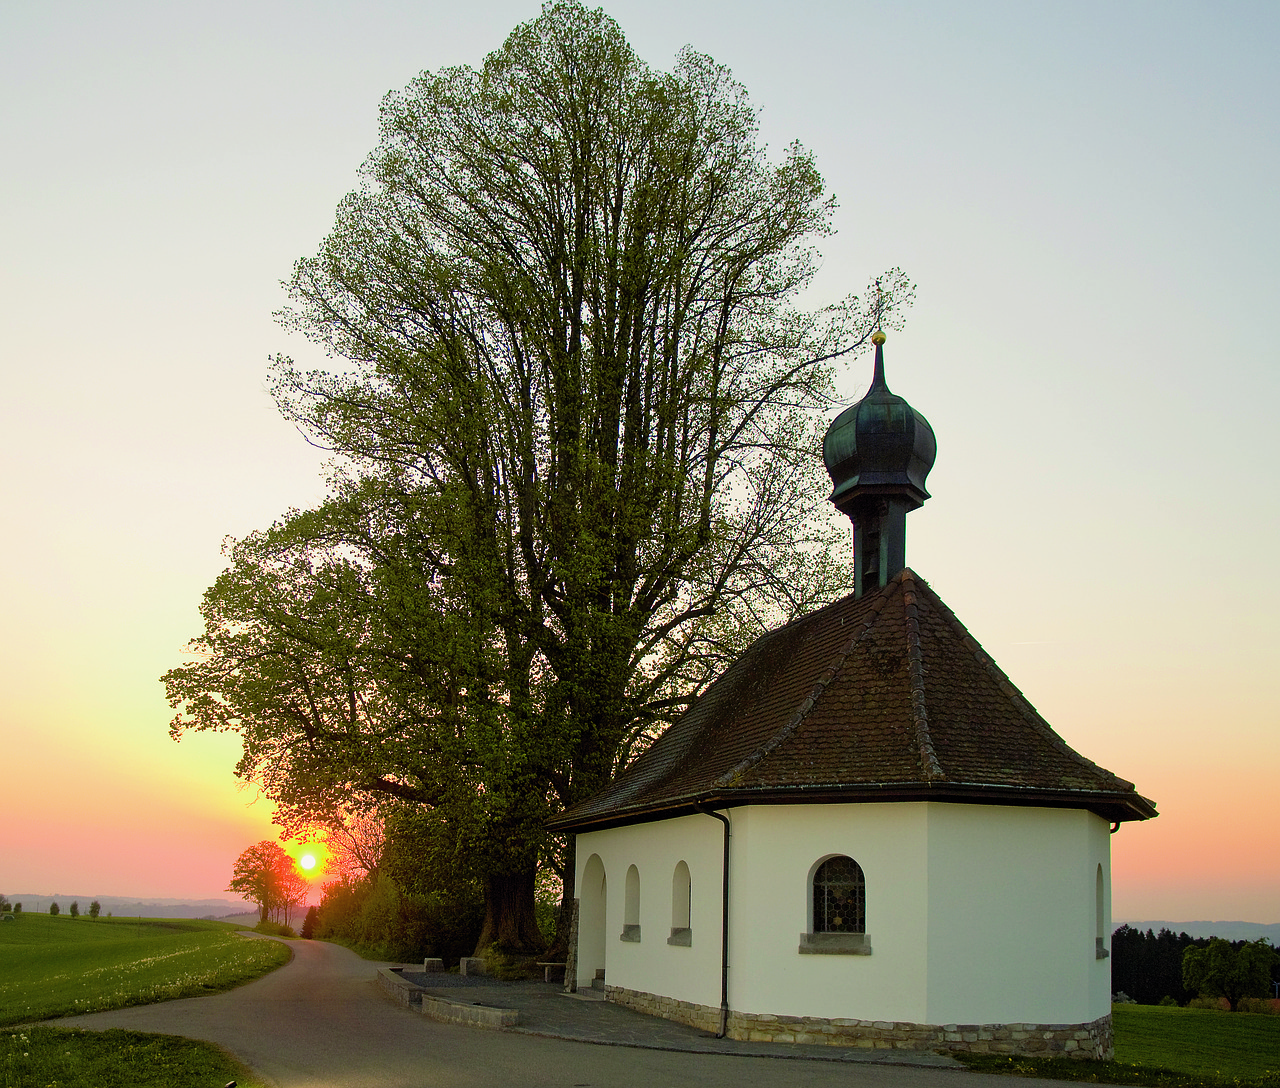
{"type": "Point", "coordinates": [1168, 1048]}
{"type": "Point", "coordinates": [41, 1057]}
{"type": "Point", "coordinates": [56, 966]}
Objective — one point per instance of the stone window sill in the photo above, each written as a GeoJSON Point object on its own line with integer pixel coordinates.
{"type": "Point", "coordinates": [681, 937]}
{"type": "Point", "coordinates": [630, 933]}
{"type": "Point", "coordinates": [1100, 953]}
{"type": "Point", "coordinates": [835, 944]}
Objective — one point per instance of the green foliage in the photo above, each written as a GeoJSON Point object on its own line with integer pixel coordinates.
{"type": "Point", "coordinates": [577, 423]}
{"type": "Point", "coordinates": [1168, 1002]}
{"type": "Point", "coordinates": [54, 909]}
{"type": "Point", "coordinates": [38, 1056]}
{"type": "Point", "coordinates": [74, 909]}
{"type": "Point", "coordinates": [275, 929]}
{"type": "Point", "coordinates": [1148, 965]}
{"type": "Point", "coordinates": [4, 905]}
{"type": "Point", "coordinates": [266, 875]}
{"type": "Point", "coordinates": [17, 908]}
{"type": "Point", "coordinates": [1229, 971]}
{"type": "Point", "coordinates": [95, 908]}
{"type": "Point", "coordinates": [1166, 1048]}
{"type": "Point", "coordinates": [50, 966]}
{"type": "Point", "coordinates": [309, 923]}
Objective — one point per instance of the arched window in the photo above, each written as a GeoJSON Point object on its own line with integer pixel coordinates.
{"type": "Point", "coordinates": [1100, 920]}
{"type": "Point", "coordinates": [681, 899]}
{"type": "Point", "coordinates": [838, 909]}
{"type": "Point", "coordinates": [839, 897]}
{"type": "Point", "coordinates": [631, 907]}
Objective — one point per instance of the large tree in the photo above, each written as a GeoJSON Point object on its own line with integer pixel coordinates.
{"type": "Point", "coordinates": [576, 418]}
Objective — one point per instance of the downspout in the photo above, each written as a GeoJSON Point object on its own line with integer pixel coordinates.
{"type": "Point", "coordinates": [724, 925]}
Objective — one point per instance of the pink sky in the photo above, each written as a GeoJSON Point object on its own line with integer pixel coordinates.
{"type": "Point", "coordinates": [1093, 228]}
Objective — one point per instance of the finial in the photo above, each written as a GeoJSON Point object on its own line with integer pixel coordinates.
{"type": "Point", "coordinates": [877, 338]}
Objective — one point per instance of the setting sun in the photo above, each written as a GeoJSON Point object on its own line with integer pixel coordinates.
{"type": "Point", "coordinates": [307, 861]}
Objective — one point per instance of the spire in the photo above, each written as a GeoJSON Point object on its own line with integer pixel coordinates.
{"type": "Point", "coordinates": [878, 453]}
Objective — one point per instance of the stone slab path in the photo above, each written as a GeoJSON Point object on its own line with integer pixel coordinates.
{"type": "Point", "coordinates": [321, 1021]}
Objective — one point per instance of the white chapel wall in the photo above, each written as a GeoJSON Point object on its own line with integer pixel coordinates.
{"type": "Point", "coordinates": [775, 850]}
{"type": "Point", "coordinates": [974, 913]}
{"type": "Point", "coordinates": [651, 965]}
{"type": "Point", "coordinates": [1012, 915]}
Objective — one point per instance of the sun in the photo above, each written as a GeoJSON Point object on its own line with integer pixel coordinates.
{"type": "Point", "coordinates": [307, 861]}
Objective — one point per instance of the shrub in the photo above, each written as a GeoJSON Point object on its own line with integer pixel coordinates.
{"type": "Point", "coordinates": [274, 929]}
{"type": "Point", "coordinates": [309, 923]}
{"type": "Point", "coordinates": [1267, 1006]}
{"type": "Point", "coordinates": [54, 908]}
{"type": "Point", "coordinates": [95, 908]}
{"type": "Point", "coordinates": [74, 909]}
{"type": "Point", "coordinates": [17, 908]}
{"type": "Point", "coordinates": [1168, 1002]}
{"type": "Point", "coordinates": [1220, 1003]}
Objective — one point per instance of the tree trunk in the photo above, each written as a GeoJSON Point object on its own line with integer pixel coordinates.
{"type": "Point", "coordinates": [510, 921]}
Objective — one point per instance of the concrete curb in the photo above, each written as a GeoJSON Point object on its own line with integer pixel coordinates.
{"type": "Point", "coordinates": [408, 994]}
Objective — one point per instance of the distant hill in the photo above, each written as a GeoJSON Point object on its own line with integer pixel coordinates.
{"type": "Point", "coordinates": [124, 907]}
{"type": "Point", "coordinates": [1231, 931]}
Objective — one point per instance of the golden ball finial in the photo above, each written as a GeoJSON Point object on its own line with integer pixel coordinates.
{"type": "Point", "coordinates": [877, 338]}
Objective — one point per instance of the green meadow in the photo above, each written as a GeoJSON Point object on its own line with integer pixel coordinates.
{"type": "Point", "coordinates": [1167, 1048]}
{"type": "Point", "coordinates": [57, 965]}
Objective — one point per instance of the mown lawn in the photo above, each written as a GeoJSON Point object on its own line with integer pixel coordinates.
{"type": "Point", "coordinates": [56, 965]}
{"type": "Point", "coordinates": [1168, 1048]}
{"type": "Point", "coordinates": [41, 1057]}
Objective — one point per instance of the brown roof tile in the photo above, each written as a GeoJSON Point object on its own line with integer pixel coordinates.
{"type": "Point", "coordinates": [886, 697]}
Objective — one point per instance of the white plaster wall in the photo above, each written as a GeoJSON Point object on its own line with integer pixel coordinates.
{"type": "Point", "coordinates": [652, 965]}
{"type": "Point", "coordinates": [1012, 915]}
{"type": "Point", "coordinates": [774, 852]}
{"type": "Point", "coordinates": [975, 913]}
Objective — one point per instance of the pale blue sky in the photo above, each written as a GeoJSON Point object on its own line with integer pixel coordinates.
{"type": "Point", "coordinates": [1085, 194]}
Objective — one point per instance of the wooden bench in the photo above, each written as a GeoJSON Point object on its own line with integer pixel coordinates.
{"type": "Point", "coordinates": [552, 972]}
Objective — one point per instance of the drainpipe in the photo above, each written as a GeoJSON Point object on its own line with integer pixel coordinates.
{"type": "Point", "coordinates": [724, 925]}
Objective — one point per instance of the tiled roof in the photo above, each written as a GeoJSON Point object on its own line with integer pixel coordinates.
{"type": "Point", "coordinates": [883, 698]}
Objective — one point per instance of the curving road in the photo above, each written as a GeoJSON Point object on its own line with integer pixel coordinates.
{"type": "Point", "coordinates": [322, 1022]}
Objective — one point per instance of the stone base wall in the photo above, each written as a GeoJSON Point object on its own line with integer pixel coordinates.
{"type": "Point", "coordinates": [1093, 1040]}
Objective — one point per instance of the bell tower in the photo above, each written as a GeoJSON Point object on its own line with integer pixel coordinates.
{"type": "Point", "coordinates": [878, 453]}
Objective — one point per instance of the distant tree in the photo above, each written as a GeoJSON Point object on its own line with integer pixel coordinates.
{"type": "Point", "coordinates": [17, 908]}
{"type": "Point", "coordinates": [54, 908]}
{"type": "Point", "coordinates": [74, 909]}
{"type": "Point", "coordinates": [95, 908]}
{"type": "Point", "coordinates": [309, 923]}
{"type": "Point", "coordinates": [1233, 971]}
{"type": "Point", "coordinates": [4, 904]}
{"type": "Point", "coordinates": [266, 875]}
{"type": "Point", "coordinates": [1148, 966]}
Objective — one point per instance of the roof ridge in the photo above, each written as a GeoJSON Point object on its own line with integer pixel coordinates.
{"type": "Point", "coordinates": [929, 764]}
{"type": "Point", "coordinates": [807, 703]}
{"type": "Point", "coordinates": [1008, 688]}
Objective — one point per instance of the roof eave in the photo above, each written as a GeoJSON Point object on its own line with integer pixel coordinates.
{"type": "Point", "coordinates": [1114, 806]}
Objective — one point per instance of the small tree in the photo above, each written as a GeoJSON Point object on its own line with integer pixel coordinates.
{"type": "Point", "coordinates": [54, 908]}
{"type": "Point", "coordinates": [74, 909]}
{"type": "Point", "coordinates": [1231, 971]}
{"type": "Point", "coordinates": [17, 908]}
{"type": "Point", "coordinates": [95, 908]}
{"type": "Point", "coordinates": [309, 923]}
{"type": "Point", "coordinates": [266, 875]}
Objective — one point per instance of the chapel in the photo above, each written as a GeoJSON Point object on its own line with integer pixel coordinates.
{"type": "Point", "coordinates": [862, 833]}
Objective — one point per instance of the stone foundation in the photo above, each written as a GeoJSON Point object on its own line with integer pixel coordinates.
{"type": "Point", "coordinates": [1093, 1040]}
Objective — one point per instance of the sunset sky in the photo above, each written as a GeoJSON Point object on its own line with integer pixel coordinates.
{"type": "Point", "coordinates": [1084, 192]}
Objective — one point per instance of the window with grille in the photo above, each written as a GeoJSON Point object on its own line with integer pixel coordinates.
{"type": "Point", "coordinates": [839, 897]}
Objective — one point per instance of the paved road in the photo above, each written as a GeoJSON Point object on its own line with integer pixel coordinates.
{"type": "Point", "coordinates": [322, 1022]}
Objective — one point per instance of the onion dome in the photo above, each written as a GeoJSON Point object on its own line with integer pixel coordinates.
{"type": "Point", "coordinates": [880, 446]}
